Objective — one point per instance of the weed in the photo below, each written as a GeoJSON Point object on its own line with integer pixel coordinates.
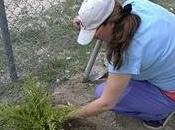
{"type": "Point", "coordinates": [34, 112]}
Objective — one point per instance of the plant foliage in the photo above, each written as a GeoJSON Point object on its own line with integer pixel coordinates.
{"type": "Point", "coordinates": [34, 112]}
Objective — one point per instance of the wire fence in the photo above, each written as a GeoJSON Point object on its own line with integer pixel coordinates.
{"type": "Point", "coordinates": [7, 41]}
{"type": "Point", "coordinates": [40, 30]}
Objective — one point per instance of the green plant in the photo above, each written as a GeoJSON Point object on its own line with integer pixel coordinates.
{"type": "Point", "coordinates": [34, 112]}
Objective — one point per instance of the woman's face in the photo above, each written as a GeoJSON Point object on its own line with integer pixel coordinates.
{"type": "Point", "coordinates": [105, 32]}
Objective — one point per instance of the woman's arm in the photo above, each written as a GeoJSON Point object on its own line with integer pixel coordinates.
{"type": "Point", "coordinates": [114, 88]}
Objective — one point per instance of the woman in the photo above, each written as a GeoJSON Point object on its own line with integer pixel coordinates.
{"type": "Point", "coordinates": [140, 42]}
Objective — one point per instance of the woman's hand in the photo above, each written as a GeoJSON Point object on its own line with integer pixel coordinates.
{"type": "Point", "coordinates": [77, 23]}
{"type": "Point", "coordinates": [74, 114]}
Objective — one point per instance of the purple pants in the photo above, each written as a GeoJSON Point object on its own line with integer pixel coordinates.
{"type": "Point", "coordinates": [142, 100]}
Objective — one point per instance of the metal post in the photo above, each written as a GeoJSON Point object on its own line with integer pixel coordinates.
{"type": "Point", "coordinates": [91, 61]}
{"type": "Point", "coordinates": [7, 41]}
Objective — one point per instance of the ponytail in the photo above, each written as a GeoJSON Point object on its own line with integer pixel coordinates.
{"type": "Point", "coordinates": [125, 26]}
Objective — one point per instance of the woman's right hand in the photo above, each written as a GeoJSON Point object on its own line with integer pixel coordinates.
{"type": "Point", "coordinates": [77, 23]}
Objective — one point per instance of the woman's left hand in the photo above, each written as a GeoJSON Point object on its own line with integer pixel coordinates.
{"type": "Point", "coordinates": [73, 114]}
{"type": "Point", "coordinates": [77, 23]}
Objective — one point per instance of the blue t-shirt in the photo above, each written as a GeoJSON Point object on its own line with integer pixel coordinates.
{"type": "Point", "coordinates": [151, 55]}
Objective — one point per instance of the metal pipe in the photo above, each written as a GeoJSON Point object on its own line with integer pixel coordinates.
{"type": "Point", "coordinates": [91, 61]}
{"type": "Point", "coordinates": [7, 41]}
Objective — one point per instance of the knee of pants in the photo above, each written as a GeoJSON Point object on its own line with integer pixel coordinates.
{"type": "Point", "coordinates": [99, 89]}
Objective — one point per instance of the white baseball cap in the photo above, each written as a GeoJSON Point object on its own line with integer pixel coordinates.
{"type": "Point", "coordinates": [92, 14]}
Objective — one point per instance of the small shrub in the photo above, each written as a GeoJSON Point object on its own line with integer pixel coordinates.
{"type": "Point", "coordinates": [34, 112]}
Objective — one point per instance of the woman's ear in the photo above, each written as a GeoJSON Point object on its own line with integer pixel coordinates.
{"type": "Point", "coordinates": [99, 32]}
{"type": "Point", "coordinates": [105, 32]}
{"type": "Point", "coordinates": [111, 25]}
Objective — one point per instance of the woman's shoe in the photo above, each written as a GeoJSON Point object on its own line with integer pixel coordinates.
{"type": "Point", "coordinates": [158, 124]}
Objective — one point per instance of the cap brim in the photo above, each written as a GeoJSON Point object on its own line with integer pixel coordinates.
{"type": "Point", "coordinates": [86, 36]}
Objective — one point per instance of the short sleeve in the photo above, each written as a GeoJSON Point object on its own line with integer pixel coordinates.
{"type": "Point", "coordinates": [131, 65]}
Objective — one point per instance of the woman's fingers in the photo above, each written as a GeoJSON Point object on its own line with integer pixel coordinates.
{"type": "Point", "coordinates": [77, 23]}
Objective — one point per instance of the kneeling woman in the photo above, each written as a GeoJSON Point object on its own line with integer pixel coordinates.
{"type": "Point", "coordinates": [140, 42]}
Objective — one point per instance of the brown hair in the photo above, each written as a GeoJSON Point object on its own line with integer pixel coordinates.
{"type": "Point", "coordinates": [126, 24]}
